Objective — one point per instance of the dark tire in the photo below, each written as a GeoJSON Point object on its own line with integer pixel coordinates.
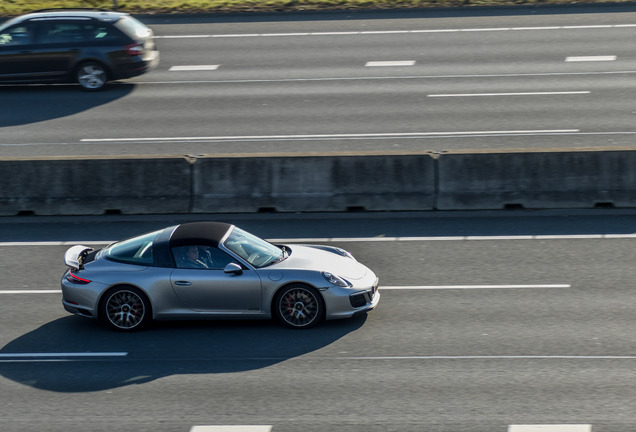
{"type": "Point", "coordinates": [299, 307]}
{"type": "Point", "coordinates": [91, 76]}
{"type": "Point", "coordinates": [125, 309]}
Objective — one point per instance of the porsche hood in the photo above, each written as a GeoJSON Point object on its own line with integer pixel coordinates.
{"type": "Point", "coordinates": [308, 258]}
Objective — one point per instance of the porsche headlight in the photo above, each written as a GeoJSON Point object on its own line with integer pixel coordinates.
{"type": "Point", "coordinates": [336, 280]}
{"type": "Point", "coordinates": [344, 253]}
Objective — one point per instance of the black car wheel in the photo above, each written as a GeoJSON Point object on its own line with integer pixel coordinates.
{"type": "Point", "coordinates": [125, 309]}
{"type": "Point", "coordinates": [92, 76]}
{"type": "Point", "coordinates": [299, 307]}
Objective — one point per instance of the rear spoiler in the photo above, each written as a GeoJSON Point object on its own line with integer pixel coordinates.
{"type": "Point", "coordinates": [74, 257]}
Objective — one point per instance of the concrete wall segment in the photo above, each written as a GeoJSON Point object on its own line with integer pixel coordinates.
{"type": "Point", "coordinates": [313, 183]}
{"type": "Point", "coordinates": [75, 186]}
{"type": "Point", "coordinates": [541, 179]}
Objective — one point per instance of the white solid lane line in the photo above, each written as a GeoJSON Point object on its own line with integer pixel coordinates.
{"type": "Point", "coordinates": [61, 355]}
{"type": "Point", "coordinates": [332, 136]}
{"type": "Point", "coordinates": [193, 68]}
{"type": "Point", "coordinates": [556, 93]}
{"type": "Point", "coordinates": [390, 32]}
{"type": "Point", "coordinates": [590, 58]}
{"type": "Point", "coordinates": [30, 291]}
{"type": "Point", "coordinates": [383, 288]}
{"type": "Point", "coordinates": [366, 239]}
{"type": "Point", "coordinates": [390, 63]}
{"type": "Point", "coordinates": [551, 428]}
{"type": "Point", "coordinates": [472, 287]}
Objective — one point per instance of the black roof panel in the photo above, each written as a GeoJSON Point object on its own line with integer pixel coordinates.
{"type": "Point", "coordinates": [199, 233]}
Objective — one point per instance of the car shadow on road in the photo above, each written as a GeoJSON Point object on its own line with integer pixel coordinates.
{"type": "Point", "coordinates": [164, 349]}
{"type": "Point", "coordinates": [26, 104]}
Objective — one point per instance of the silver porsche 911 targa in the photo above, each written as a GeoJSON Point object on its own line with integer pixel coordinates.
{"type": "Point", "coordinates": [204, 270]}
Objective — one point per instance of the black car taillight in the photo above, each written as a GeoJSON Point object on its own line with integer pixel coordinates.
{"type": "Point", "coordinates": [73, 278]}
{"type": "Point", "coordinates": [135, 49]}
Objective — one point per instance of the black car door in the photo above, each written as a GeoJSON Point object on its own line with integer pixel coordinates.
{"type": "Point", "coordinates": [59, 44]}
{"type": "Point", "coordinates": [18, 51]}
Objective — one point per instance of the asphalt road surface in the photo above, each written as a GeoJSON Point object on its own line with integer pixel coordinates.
{"type": "Point", "coordinates": [430, 81]}
{"type": "Point", "coordinates": [494, 321]}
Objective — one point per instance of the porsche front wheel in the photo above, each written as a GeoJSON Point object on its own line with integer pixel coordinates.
{"type": "Point", "coordinates": [299, 307]}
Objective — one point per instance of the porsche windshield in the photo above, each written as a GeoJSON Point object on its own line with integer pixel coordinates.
{"type": "Point", "coordinates": [252, 249]}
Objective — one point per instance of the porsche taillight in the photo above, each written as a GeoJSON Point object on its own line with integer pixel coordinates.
{"type": "Point", "coordinates": [73, 278]}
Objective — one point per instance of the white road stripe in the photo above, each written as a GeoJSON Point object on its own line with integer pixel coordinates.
{"type": "Point", "coordinates": [479, 357]}
{"type": "Point", "coordinates": [30, 291]}
{"type": "Point", "coordinates": [390, 63]}
{"type": "Point", "coordinates": [330, 136]}
{"type": "Point", "coordinates": [232, 428]}
{"type": "Point", "coordinates": [60, 355]}
{"type": "Point", "coordinates": [452, 238]}
{"type": "Point", "coordinates": [369, 78]}
{"type": "Point", "coordinates": [383, 288]}
{"type": "Point", "coordinates": [185, 36]}
{"type": "Point", "coordinates": [193, 68]}
{"type": "Point", "coordinates": [590, 58]}
{"type": "Point", "coordinates": [366, 239]}
{"type": "Point", "coordinates": [551, 428]}
{"type": "Point", "coordinates": [510, 94]}
{"type": "Point", "coordinates": [284, 34]}
{"type": "Point", "coordinates": [385, 32]}
{"type": "Point", "coordinates": [56, 243]}
{"type": "Point", "coordinates": [472, 287]}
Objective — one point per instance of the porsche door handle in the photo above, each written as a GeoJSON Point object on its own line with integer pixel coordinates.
{"type": "Point", "coordinates": [183, 283]}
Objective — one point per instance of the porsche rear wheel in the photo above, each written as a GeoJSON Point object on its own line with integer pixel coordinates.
{"type": "Point", "coordinates": [125, 309]}
{"type": "Point", "coordinates": [299, 307]}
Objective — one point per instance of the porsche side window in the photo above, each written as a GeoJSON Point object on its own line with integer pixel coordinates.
{"type": "Point", "coordinates": [137, 250]}
{"type": "Point", "coordinates": [201, 257]}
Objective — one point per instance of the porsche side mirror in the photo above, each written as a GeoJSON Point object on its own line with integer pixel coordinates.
{"type": "Point", "coordinates": [233, 268]}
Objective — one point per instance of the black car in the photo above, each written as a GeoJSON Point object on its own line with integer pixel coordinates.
{"type": "Point", "coordinates": [90, 47]}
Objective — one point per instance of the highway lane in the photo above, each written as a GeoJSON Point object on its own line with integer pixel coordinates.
{"type": "Point", "coordinates": [427, 359]}
{"type": "Point", "coordinates": [469, 82]}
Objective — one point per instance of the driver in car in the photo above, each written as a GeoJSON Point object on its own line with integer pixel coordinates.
{"type": "Point", "coordinates": [192, 259]}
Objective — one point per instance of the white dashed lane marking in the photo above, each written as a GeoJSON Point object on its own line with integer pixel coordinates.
{"type": "Point", "coordinates": [232, 428]}
{"type": "Point", "coordinates": [511, 94]}
{"type": "Point", "coordinates": [390, 63]}
{"type": "Point", "coordinates": [551, 428]}
{"type": "Point", "coordinates": [591, 58]}
{"type": "Point", "coordinates": [193, 68]}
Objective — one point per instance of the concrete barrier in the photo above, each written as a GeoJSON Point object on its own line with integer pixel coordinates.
{"type": "Point", "coordinates": [336, 182]}
{"type": "Point", "coordinates": [333, 182]}
{"type": "Point", "coordinates": [537, 180]}
{"type": "Point", "coordinates": [96, 185]}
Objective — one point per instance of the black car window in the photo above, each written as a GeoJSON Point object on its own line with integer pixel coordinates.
{"type": "Point", "coordinates": [201, 257]}
{"type": "Point", "coordinates": [103, 33]}
{"type": "Point", "coordinates": [19, 34]}
{"type": "Point", "coordinates": [53, 32]}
